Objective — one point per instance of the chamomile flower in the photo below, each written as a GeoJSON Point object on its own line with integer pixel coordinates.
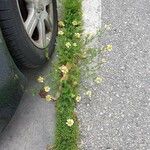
{"type": "Point", "coordinates": [104, 60]}
{"type": "Point", "coordinates": [61, 24]}
{"type": "Point", "coordinates": [75, 44]}
{"type": "Point", "coordinates": [75, 23]}
{"type": "Point", "coordinates": [40, 79]}
{"type": "Point", "coordinates": [84, 54]}
{"type": "Point", "coordinates": [48, 98]}
{"type": "Point", "coordinates": [109, 47]}
{"type": "Point", "coordinates": [77, 35]}
{"type": "Point", "coordinates": [46, 88]}
{"type": "Point", "coordinates": [68, 44]}
{"type": "Point", "coordinates": [88, 93]}
{"type": "Point", "coordinates": [70, 122]}
{"type": "Point", "coordinates": [60, 32]}
{"type": "Point", "coordinates": [98, 80]}
{"type": "Point", "coordinates": [78, 98]}
{"type": "Point", "coordinates": [64, 69]}
{"type": "Point", "coordinates": [75, 83]}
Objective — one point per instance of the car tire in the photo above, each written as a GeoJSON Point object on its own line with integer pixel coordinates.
{"type": "Point", "coordinates": [21, 46]}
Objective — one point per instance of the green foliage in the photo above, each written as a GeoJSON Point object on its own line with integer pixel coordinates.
{"type": "Point", "coordinates": [67, 137]}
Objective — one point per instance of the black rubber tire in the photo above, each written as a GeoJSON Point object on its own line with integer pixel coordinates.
{"type": "Point", "coordinates": [22, 49]}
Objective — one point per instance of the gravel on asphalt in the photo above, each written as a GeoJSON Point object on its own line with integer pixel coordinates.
{"type": "Point", "coordinates": [118, 115]}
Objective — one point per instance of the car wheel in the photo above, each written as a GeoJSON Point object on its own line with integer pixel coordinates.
{"type": "Point", "coordinates": [29, 28]}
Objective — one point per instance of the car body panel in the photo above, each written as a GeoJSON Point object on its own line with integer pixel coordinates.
{"type": "Point", "coordinates": [12, 83]}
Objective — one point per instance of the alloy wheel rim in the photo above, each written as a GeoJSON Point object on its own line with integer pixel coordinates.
{"type": "Point", "coordinates": [37, 18]}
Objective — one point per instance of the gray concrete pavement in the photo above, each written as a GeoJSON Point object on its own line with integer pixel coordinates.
{"type": "Point", "coordinates": [33, 125]}
{"type": "Point", "coordinates": [118, 115]}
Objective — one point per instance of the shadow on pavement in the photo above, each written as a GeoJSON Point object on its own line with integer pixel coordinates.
{"type": "Point", "coordinates": [32, 126]}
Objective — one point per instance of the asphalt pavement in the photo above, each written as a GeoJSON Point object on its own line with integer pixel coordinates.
{"type": "Point", "coordinates": [33, 125]}
{"type": "Point", "coordinates": [118, 115]}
